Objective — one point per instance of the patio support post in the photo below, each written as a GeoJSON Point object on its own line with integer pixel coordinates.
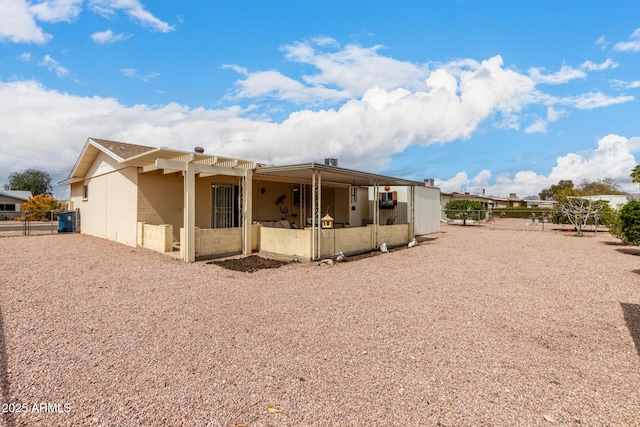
{"type": "Point", "coordinates": [247, 214]}
{"type": "Point", "coordinates": [376, 212]}
{"type": "Point", "coordinates": [319, 219]}
{"type": "Point", "coordinates": [412, 212]}
{"type": "Point", "coordinates": [190, 211]}
{"type": "Point", "coordinates": [313, 214]}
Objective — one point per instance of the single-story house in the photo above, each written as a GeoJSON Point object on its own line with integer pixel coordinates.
{"type": "Point", "coordinates": [204, 205]}
{"type": "Point", "coordinates": [615, 201]}
{"type": "Point", "coordinates": [11, 203]}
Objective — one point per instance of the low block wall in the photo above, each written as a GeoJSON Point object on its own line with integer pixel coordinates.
{"type": "Point", "coordinates": [355, 239]}
{"type": "Point", "coordinates": [158, 238]}
{"type": "Point", "coordinates": [332, 241]}
{"type": "Point", "coordinates": [394, 234]}
{"type": "Point", "coordinates": [215, 241]}
{"type": "Point", "coordinates": [284, 241]}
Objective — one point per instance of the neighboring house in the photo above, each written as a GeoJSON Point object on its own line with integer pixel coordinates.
{"type": "Point", "coordinates": [11, 203]}
{"type": "Point", "coordinates": [616, 201]}
{"type": "Point", "coordinates": [208, 205]}
{"type": "Point", "coordinates": [541, 204]}
{"type": "Point", "coordinates": [513, 201]}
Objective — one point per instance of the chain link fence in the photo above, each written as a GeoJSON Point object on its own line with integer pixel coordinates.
{"type": "Point", "coordinates": [512, 219]}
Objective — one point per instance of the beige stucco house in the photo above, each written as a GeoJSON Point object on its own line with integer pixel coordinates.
{"type": "Point", "coordinates": [203, 205]}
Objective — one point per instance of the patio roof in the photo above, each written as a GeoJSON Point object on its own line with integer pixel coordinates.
{"type": "Point", "coordinates": [331, 174]}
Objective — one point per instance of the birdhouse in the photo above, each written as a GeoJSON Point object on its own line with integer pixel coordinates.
{"type": "Point", "coordinates": [327, 221]}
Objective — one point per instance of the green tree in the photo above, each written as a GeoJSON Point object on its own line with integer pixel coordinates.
{"type": "Point", "coordinates": [565, 189]}
{"type": "Point", "coordinates": [630, 222]}
{"type": "Point", "coordinates": [38, 182]}
{"type": "Point", "coordinates": [560, 191]}
{"type": "Point", "coordinates": [603, 186]}
{"type": "Point", "coordinates": [465, 209]}
{"type": "Point", "coordinates": [635, 175]}
{"type": "Point", "coordinates": [39, 207]}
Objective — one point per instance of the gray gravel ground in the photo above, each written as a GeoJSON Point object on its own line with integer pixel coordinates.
{"type": "Point", "coordinates": [479, 327]}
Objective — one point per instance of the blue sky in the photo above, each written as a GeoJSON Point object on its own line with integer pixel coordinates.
{"type": "Point", "coordinates": [505, 96]}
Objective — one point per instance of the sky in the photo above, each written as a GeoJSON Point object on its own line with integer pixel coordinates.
{"type": "Point", "coordinates": [496, 96]}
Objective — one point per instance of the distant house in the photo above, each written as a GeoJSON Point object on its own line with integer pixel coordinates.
{"type": "Point", "coordinates": [616, 201]}
{"type": "Point", "coordinates": [11, 203]}
{"type": "Point", "coordinates": [203, 205]}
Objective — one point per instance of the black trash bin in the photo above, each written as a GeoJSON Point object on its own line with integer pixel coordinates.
{"type": "Point", "coordinates": [67, 222]}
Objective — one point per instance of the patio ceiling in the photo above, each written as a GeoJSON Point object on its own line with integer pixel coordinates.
{"type": "Point", "coordinates": [330, 174]}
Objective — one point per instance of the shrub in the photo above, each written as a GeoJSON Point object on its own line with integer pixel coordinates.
{"type": "Point", "coordinates": [630, 222]}
{"type": "Point", "coordinates": [39, 207]}
{"type": "Point", "coordinates": [465, 209]}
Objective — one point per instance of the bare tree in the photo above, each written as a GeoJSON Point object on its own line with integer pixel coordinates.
{"type": "Point", "coordinates": [578, 211]}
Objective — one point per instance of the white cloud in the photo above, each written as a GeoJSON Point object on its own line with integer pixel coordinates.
{"type": "Point", "coordinates": [273, 84]}
{"type": "Point", "coordinates": [354, 68]}
{"type": "Point", "coordinates": [107, 37]}
{"type": "Point", "coordinates": [414, 105]}
{"type": "Point", "coordinates": [56, 10]}
{"type": "Point", "coordinates": [25, 57]}
{"type": "Point", "coordinates": [591, 100]}
{"type": "Point", "coordinates": [17, 24]}
{"type": "Point", "coordinates": [592, 66]}
{"type": "Point", "coordinates": [621, 84]}
{"type": "Point", "coordinates": [631, 45]}
{"type": "Point", "coordinates": [133, 9]}
{"type": "Point", "coordinates": [554, 115]}
{"type": "Point", "coordinates": [364, 133]}
{"type": "Point", "coordinates": [602, 42]}
{"type": "Point", "coordinates": [133, 74]}
{"type": "Point", "coordinates": [54, 65]}
{"type": "Point", "coordinates": [565, 74]}
{"type": "Point", "coordinates": [539, 126]}
{"type": "Point", "coordinates": [612, 158]}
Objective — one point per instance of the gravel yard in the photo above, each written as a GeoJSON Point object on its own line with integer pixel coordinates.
{"type": "Point", "coordinates": [481, 326]}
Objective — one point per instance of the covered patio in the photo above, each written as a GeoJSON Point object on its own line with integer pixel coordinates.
{"type": "Point", "coordinates": [352, 201]}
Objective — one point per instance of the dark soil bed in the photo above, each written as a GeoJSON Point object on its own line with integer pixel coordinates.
{"type": "Point", "coordinates": [249, 264]}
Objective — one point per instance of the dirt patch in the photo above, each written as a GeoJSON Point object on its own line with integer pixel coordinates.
{"type": "Point", "coordinates": [250, 264]}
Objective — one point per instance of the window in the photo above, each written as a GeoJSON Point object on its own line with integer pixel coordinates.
{"type": "Point", "coordinates": [85, 191]}
{"type": "Point", "coordinates": [388, 200]}
{"type": "Point", "coordinates": [226, 206]}
{"type": "Point", "coordinates": [7, 207]}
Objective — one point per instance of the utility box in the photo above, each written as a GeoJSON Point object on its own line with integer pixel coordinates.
{"type": "Point", "coordinates": [67, 222]}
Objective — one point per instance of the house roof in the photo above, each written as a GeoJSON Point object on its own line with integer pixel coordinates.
{"type": "Point", "coordinates": [16, 194]}
{"type": "Point", "coordinates": [119, 151]}
{"type": "Point", "coordinates": [140, 156]}
{"type": "Point", "coordinates": [335, 174]}
{"type": "Point", "coordinates": [146, 156]}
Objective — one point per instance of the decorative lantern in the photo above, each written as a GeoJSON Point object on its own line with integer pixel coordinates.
{"type": "Point", "coordinates": [327, 221]}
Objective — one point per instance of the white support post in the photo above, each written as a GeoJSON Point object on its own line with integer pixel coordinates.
{"type": "Point", "coordinates": [247, 214]}
{"type": "Point", "coordinates": [189, 213]}
{"type": "Point", "coordinates": [376, 212]}
{"type": "Point", "coordinates": [319, 219]}
{"type": "Point", "coordinates": [412, 219]}
{"type": "Point", "coordinates": [313, 214]}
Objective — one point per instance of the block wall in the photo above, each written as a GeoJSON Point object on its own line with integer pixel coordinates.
{"type": "Point", "coordinates": [160, 200]}
{"type": "Point", "coordinates": [353, 239]}
{"type": "Point", "coordinates": [394, 234]}
{"type": "Point", "coordinates": [156, 237]}
{"type": "Point", "coordinates": [286, 241]}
